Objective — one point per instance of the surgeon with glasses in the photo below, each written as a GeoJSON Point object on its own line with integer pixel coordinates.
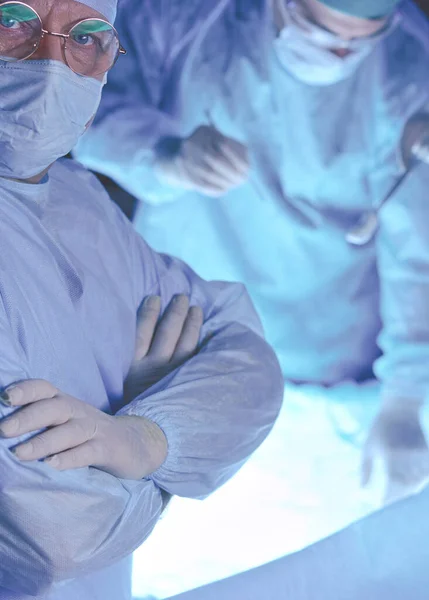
{"type": "Point", "coordinates": [125, 378]}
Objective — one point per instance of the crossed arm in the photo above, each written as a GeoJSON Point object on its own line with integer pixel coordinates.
{"type": "Point", "coordinates": [214, 411]}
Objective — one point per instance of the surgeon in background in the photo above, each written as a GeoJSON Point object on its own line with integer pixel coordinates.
{"type": "Point", "coordinates": [106, 411]}
{"type": "Point", "coordinates": [259, 136]}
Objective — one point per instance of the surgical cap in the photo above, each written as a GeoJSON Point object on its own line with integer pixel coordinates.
{"type": "Point", "coordinates": [105, 7]}
{"type": "Point", "coordinates": [366, 9]}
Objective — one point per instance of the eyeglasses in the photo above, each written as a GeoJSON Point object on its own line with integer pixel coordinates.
{"type": "Point", "coordinates": [90, 48]}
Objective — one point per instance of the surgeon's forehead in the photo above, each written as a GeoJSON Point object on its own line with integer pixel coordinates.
{"type": "Point", "coordinates": [62, 9]}
{"type": "Point", "coordinates": [341, 23]}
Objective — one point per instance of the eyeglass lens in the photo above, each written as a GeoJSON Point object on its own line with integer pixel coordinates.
{"type": "Point", "coordinates": [91, 48]}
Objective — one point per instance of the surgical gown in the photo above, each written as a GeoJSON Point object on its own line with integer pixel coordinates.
{"type": "Point", "coordinates": [321, 158]}
{"type": "Point", "coordinates": [73, 274]}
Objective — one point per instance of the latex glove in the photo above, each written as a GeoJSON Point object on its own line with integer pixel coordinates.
{"type": "Point", "coordinates": [398, 444]}
{"type": "Point", "coordinates": [78, 434]}
{"type": "Point", "coordinates": [75, 434]}
{"type": "Point", "coordinates": [208, 162]}
{"type": "Point", "coordinates": [162, 345]}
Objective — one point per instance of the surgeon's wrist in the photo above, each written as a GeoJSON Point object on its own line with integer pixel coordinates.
{"type": "Point", "coordinates": [165, 164]}
{"type": "Point", "coordinates": [154, 440]}
{"type": "Point", "coordinates": [167, 148]}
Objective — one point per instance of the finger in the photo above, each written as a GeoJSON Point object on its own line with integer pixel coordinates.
{"type": "Point", "coordinates": [210, 166]}
{"type": "Point", "coordinates": [92, 454]}
{"type": "Point", "coordinates": [190, 336]}
{"type": "Point", "coordinates": [211, 184]}
{"type": "Point", "coordinates": [169, 329]}
{"type": "Point", "coordinates": [223, 168]}
{"type": "Point", "coordinates": [45, 413]}
{"type": "Point", "coordinates": [201, 185]}
{"type": "Point", "coordinates": [84, 455]}
{"type": "Point", "coordinates": [210, 190]}
{"type": "Point", "coordinates": [189, 172]}
{"type": "Point", "coordinates": [193, 177]}
{"type": "Point", "coordinates": [236, 155]}
{"type": "Point", "coordinates": [202, 157]}
{"type": "Point", "coordinates": [223, 161]}
{"type": "Point", "coordinates": [147, 318]}
{"type": "Point", "coordinates": [223, 171]}
{"type": "Point", "coordinates": [210, 173]}
{"type": "Point", "coordinates": [26, 392]}
{"type": "Point", "coordinates": [54, 440]}
{"type": "Point", "coordinates": [231, 150]}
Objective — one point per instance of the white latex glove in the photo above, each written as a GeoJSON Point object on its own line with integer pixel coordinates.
{"type": "Point", "coordinates": [164, 344]}
{"type": "Point", "coordinates": [208, 162]}
{"type": "Point", "coordinates": [397, 446]}
{"type": "Point", "coordinates": [74, 434]}
{"type": "Point", "coordinates": [77, 434]}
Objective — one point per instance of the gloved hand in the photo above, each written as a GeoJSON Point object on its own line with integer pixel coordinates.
{"type": "Point", "coordinates": [76, 434]}
{"type": "Point", "coordinates": [397, 441]}
{"type": "Point", "coordinates": [80, 435]}
{"type": "Point", "coordinates": [208, 162]}
{"type": "Point", "coordinates": [164, 346]}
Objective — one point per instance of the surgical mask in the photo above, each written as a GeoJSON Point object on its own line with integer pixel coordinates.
{"type": "Point", "coordinates": [304, 49]}
{"type": "Point", "coordinates": [44, 110]}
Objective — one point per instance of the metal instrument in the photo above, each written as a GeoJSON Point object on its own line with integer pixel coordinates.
{"type": "Point", "coordinates": [414, 150]}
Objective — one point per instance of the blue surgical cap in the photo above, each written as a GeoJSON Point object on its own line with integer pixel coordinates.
{"type": "Point", "coordinates": [365, 9]}
{"type": "Point", "coordinates": [105, 7]}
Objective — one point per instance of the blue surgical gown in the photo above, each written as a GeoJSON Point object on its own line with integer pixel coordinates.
{"type": "Point", "coordinates": [73, 273]}
{"type": "Point", "coordinates": [321, 158]}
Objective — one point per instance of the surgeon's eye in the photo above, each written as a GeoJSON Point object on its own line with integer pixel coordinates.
{"type": "Point", "coordinates": [9, 23]}
{"type": "Point", "coordinates": [19, 20]}
{"type": "Point", "coordinates": [83, 39]}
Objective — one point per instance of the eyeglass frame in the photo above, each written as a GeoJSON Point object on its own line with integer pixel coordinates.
{"type": "Point", "coordinates": [64, 37]}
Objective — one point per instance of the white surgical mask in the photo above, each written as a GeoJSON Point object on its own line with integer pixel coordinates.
{"type": "Point", "coordinates": [44, 110]}
{"type": "Point", "coordinates": [304, 49]}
